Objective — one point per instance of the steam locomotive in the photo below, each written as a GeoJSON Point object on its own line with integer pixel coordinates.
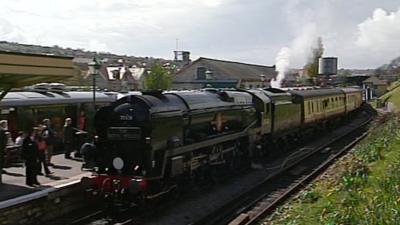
{"type": "Point", "coordinates": [149, 144]}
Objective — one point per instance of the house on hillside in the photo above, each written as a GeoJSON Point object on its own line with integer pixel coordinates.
{"type": "Point", "coordinates": [206, 72]}
{"type": "Point", "coordinates": [378, 87]}
{"type": "Point", "coordinates": [116, 78]}
{"type": "Point", "coordinates": [123, 78]}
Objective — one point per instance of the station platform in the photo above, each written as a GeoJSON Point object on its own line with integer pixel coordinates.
{"type": "Point", "coordinates": [65, 171]}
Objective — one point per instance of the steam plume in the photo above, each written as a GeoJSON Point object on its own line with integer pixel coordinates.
{"type": "Point", "coordinates": [299, 53]}
{"type": "Point", "coordinates": [282, 66]}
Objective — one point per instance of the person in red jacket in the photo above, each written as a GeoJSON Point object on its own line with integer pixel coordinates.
{"type": "Point", "coordinates": [42, 147]}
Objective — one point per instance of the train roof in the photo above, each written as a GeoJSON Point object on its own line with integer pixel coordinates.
{"type": "Point", "coordinates": [316, 92]}
{"type": "Point", "coordinates": [276, 94]}
{"type": "Point", "coordinates": [117, 95]}
{"type": "Point", "coordinates": [30, 98]}
{"type": "Point", "coordinates": [351, 90]}
{"type": "Point", "coordinates": [189, 100]}
{"type": "Point", "coordinates": [260, 94]}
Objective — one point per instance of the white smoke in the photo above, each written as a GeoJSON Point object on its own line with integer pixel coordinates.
{"type": "Point", "coordinates": [298, 54]}
{"type": "Point", "coordinates": [282, 66]}
{"type": "Point", "coordinates": [381, 32]}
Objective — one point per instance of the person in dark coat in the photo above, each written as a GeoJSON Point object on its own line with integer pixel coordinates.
{"type": "Point", "coordinates": [3, 143]}
{"type": "Point", "coordinates": [69, 133]}
{"type": "Point", "coordinates": [30, 153]}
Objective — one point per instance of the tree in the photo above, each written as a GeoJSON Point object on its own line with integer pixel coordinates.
{"type": "Point", "coordinates": [158, 79]}
{"type": "Point", "coordinates": [312, 67]}
{"type": "Point", "coordinates": [344, 73]}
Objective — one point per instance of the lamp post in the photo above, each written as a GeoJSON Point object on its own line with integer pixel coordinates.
{"type": "Point", "coordinates": [94, 68]}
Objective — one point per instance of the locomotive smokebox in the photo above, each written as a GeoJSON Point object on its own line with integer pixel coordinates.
{"type": "Point", "coordinates": [327, 66]}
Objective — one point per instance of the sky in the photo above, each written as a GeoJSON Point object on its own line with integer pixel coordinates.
{"type": "Point", "coordinates": [361, 33]}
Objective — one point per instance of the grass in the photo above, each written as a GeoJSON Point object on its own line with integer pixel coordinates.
{"type": "Point", "coordinates": [363, 188]}
{"type": "Point", "coordinates": [394, 85]}
{"type": "Point", "coordinates": [393, 95]}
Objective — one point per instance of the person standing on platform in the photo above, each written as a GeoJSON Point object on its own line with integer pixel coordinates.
{"type": "Point", "coordinates": [20, 139]}
{"type": "Point", "coordinates": [30, 154]}
{"type": "Point", "coordinates": [82, 121]}
{"type": "Point", "coordinates": [69, 133]}
{"type": "Point", "coordinates": [41, 143]}
{"type": "Point", "coordinates": [3, 143]}
{"type": "Point", "coordinates": [49, 136]}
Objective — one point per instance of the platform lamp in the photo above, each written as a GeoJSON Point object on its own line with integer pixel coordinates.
{"type": "Point", "coordinates": [94, 70]}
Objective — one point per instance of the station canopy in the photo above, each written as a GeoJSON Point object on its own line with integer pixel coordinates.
{"type": "Point", "coordinates": [22, 69]}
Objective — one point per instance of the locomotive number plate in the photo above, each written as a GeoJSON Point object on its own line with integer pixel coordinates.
{"type": "Point", "coordinates": [124, 133]}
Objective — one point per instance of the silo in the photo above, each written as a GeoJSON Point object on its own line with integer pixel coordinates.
{"type": "Point", "coordinates": [327, 66]}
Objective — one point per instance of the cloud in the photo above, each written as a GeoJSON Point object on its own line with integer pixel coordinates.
{"type": "Point", "coordinates": [11, 32]}
{"type": "Point", "coordinates": [381, 32]}
{"type": "Point", "coordinates": [97, 46]}
{"type": "Point", "coordinates": [251, 31]}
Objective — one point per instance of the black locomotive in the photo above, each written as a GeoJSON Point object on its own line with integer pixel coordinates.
{"type": "Point", "coordinates": [149, 144]}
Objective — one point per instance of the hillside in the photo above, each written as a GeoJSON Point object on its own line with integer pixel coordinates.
{"type": "Point", "coordinates": [78, 53]}
{"type": "Point", "coordinates": [361, 188]}
{"type": "Point", "coordinates": [82, 57]}
{"type": "Point", "coordinates": [393, 96]}
{"type": "Point", "coordinates": [392, 68]}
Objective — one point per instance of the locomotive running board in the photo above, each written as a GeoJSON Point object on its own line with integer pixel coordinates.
{"type": "Point", "coordinates": [208, 142]}
{"type": "Point", "coordinates": [203, 144]}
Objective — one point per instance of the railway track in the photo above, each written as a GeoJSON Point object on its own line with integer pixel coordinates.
{"type": "Point", "coordinates": [102, 217]}
{"type": "Point", "coordinates": [255, 204]}
{"type": "Point", "coordinates": [285, 186]}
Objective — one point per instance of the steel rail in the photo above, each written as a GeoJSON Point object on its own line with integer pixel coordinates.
{"type": "Point", "coordinates": [292, 188]}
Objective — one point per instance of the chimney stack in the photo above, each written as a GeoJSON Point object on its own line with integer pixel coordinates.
{"type": "Point", "coordinates": [182, 57]}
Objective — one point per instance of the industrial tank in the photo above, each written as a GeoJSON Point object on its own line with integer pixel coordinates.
{"type": "Point", "coordinates": [327, 66]}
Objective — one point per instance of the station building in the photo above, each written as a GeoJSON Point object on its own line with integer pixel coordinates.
{"type": "Point", "coordinates": [207, 72]}
{"type": "Point", "coordinates": [376, 86]}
